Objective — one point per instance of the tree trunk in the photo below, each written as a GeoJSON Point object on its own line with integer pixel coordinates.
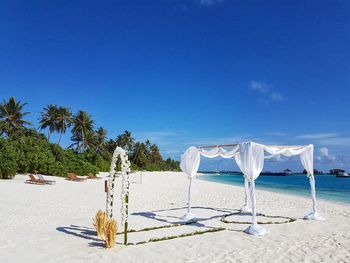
{"type": "Point", "coordinates": [82, 135]}
{"type": "Point", "coordinates": [59, 140]}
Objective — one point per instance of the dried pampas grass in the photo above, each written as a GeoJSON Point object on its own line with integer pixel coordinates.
{"type": "Point", "coordinates": [110, 233]}
{"type": "Point", "coordinates": [106, 228]}
{"type": "Point", "coordinates": [99, 223]}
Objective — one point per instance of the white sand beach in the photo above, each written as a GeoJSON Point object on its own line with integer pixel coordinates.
{"type": "Point", "coordinates": [53, 223]}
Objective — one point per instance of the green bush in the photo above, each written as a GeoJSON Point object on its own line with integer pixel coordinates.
{"type": "Point", "coordinates": [102, 162]}
{"type": "Point", "coordinates": [134, 167]}
{"type": "Point", "coordinates": [31, 152]}
{"type": "Point", "coordinates": [8, 160]}
{"type": "Point", "coordinates": [75, 163]}
{"type": "Point", "coordinates": [26, 154]}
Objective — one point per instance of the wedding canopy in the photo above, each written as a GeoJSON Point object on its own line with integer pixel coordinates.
{"type": "Point", "coordinates": [249, 157]}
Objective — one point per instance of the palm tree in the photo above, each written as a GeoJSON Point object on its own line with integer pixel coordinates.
{"type": "Point", "coordinates": [48, 119]}
{"type": "Point", "coordinates": [63, 120]}
{"type": "Point", "coordinates": [125, 140]}
{"type": "Point", "coordinates": [155, 154]}
{"type": "Point", "coordinates": [76, 139]}
{"type": "Point", "coordinates": [101, 135]}
{"type": "Point", "coordinates": [2, 128]}
{"type": "Point", "coordinates": [91, 140]}
{"type": "Point", "coordinates": [110, 146]}
{"type": "Point", "coordinates": [148, 144]}
{"type": "Point", "coordinates": [82, 124]}
{"type": "Point", "coordinates": [140, 155]}
{"type": "Point", "coordinates": [11, 116]}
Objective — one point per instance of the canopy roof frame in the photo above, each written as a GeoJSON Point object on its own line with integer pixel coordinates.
{"type": "Point", "coordinates": [251, 168]}
{"type": "Point", "coordinates": [235, 144]}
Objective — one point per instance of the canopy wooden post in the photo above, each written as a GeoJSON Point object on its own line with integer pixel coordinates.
{"type": "Point", "coordinates": [222, 145]}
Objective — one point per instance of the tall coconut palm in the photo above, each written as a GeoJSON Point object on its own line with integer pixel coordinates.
{"type": "Point", "coordinates": [140, 155]}
{"type": "Point", "coordinates": [82, 124]}
{"type": "Point", "coordinates": [101, 135]}
{"type": "Point", "coordinates": [2, 128]}
{"type": "Point", "coordinates": [91, 140]}
{"type": "Point", "coordinates": [125, 140]}
{"type": "Point", "coordinates": [63, 120]}
{"type": "Point", "coordinates": [155, 154]}
{"type": "Point", "coordinates": [48, 119]}
{"type": "Point", "coordinates": [11, 116]}
{"type": "Point", "coordinates": [110, 146]}
{"type": "Point", "coordinates": [148, 144]}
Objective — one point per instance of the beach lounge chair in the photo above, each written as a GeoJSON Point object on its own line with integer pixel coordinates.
{"type": "Point", "coordinates": [75, 178]}
{"type": "Point", "coordinates": [33, 180]}
{"type": "Point", "coordinates": [93, 176]}
{"type": "Point", "coordinates": [44, 180]}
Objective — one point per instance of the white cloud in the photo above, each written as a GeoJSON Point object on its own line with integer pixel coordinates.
{"type": "Point", "coordinates": [259, 86]}
{"type": "Point", "coordinates": [209, 2]}
{"type": "Point", "coordinates": [267, 94]}
{"type": "Point", "coordinates": [328, 139]}
{"type": "Point", "coordinates": [278, 134]}
{"type": "Point", "coordinates": [317, 136]}
{"type": "Point", "coordinates": [324, 152]}
{"type": "Point", "coordinates": [276, 96]}
{"type": "Point", "coordinates": [324, 155]}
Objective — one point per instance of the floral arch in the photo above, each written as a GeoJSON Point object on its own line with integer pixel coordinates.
{"type": "Point", "coordinates": [125, 169]}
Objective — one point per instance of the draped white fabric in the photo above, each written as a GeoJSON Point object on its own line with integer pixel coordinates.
{"type": "Point", "coordinates": [307, 159]}
{"type": "Point", "coordinates": [286, 151]}
{"type": "Point", "coordinates": [247, 207]}
{"type": "Point", "coordinates": [190, 161]}
{"type": "Point", "coordinates": [250, 160]}
{"type": "Point", "coordinates": [249, 157]}
{"type": "Point", "coordinates": [220, 152]}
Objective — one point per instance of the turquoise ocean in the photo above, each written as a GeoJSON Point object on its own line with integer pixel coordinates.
{"type": "Point", "coordinates": [328, 187]}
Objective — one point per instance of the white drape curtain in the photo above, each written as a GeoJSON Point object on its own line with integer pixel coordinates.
{"type": "Point", "coordinates": [219, 152]}
{"type": "Point", "coordinates": [249, 157]}
{"type": "Point", "coordinates": [190, 161]}
{"type": "Point", "coordinates": [306, 154]}
{"type": "Point", "coordinates": [250, 160]}
{"type": "Point", "coordinates": [307, 159]}
{"type": "Point", "coordinates": [286, 151]}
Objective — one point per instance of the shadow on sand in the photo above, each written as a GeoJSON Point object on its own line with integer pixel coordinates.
{"type": "Point", "coordinates": [82, 232]}
{"type": "Point", "coordinates": [177, 220]}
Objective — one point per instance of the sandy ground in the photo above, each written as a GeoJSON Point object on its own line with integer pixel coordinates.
{"type": "Point", "coordinates": [54, 223]}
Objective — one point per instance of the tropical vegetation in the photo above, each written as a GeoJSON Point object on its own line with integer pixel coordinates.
{"type": "Point", "coordinates": [25, 149]}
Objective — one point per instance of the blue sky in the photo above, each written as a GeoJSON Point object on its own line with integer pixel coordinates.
{"type": "Point", "coordinates": [188, 72]}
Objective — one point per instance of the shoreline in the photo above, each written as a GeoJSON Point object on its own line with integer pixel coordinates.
{"type": "Point", "coordinates": [276, 189]}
